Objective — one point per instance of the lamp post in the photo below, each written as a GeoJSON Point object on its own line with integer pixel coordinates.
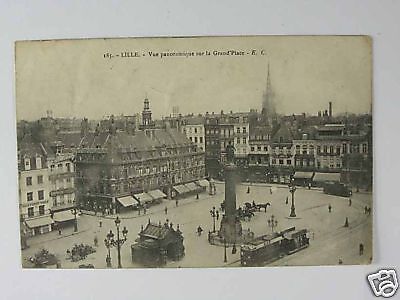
{"type": "Point", "coordinates": [213, 215]}
{"type": "Point", "coordinates": [74, 211]}
{"type": "Point", "coordinates": [225, 258]}
{"type": "Point", "coordinates": [292, 190]}
{"type": "Point", "coordinates": [107, 243]}
{"type": "Point", "coordinates": [111, 242]}
{"type": "Point", "coordinates": [272, 223]}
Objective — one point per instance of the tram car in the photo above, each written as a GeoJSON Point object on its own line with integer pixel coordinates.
{"type": "Point", "coordinates": [337, 189]}
{"type": "Point", "coordinates": [268, 248]}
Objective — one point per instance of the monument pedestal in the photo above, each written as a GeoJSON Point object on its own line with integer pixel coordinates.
{"type": "Point", "coordinates": [231, 230]}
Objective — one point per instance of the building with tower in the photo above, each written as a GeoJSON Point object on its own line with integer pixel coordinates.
{"type": "Point", "coordinates": [147, 121]}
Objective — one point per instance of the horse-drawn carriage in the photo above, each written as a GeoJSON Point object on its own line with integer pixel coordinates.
{"type": "Point", "coordinates": [248, 209]}
{"type": "Point", "coordinates": [246, 212]}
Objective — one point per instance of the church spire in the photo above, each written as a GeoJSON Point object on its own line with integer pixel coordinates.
{"type": "Point", "coordinates": [268, 106]}
{"type": "Point", "coordinates": [268, 83]}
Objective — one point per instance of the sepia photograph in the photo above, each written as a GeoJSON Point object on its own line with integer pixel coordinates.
{"type": "Point", "coordinates": [195, 152]}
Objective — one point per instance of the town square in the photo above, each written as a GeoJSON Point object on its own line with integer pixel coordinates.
{"type": "Point", "coordinates": [189, 181]}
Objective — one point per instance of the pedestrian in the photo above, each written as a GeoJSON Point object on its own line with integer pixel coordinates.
{"type": "Point", "coordinates": [361, 249]}
{"type": "Point", "coordinates": [100, 223]}
{"type": "Point", "coordinates": [365, 210]}
{"type": "Point", "coordinates": [248, 190]}
{"type": "Point", "coordinates": [199, 230]}
{"type": "Point", "coordinates": [166, 210]}
{"type": "Point", "coordinates": [197, 196]}
{"type": "Point", "coordinates": [329, 208]}
{"type": "Point", "coordinates": [309, 185]}
{"type": "Point", "coordinates": [217, 215]}
{"type": "Point", "coordinates": [346, 222]}
{"type": "Point", "coordinates": [59, 231]}
{"type": "Point", "coordinates": [270, 190]}
{"type": "Point", "coordinates": [176, 202]}
{"type": "Point", "coordinates": [95, 241]}
{"type": "Point", "coordinates": [287, 200]}
{"type": "Point", "coordinates": [349, 201]}
{"type": "Point", "coordinates": [144, 209]}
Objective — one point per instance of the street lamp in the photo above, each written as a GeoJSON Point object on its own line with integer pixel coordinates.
{"type": "Point", "coordinates": [213, 215]}
{"type": "Point", "coordinates": [272, 223]}
{"type": "Point", "coordinates": [74, 211]}
{"type": "Point", "coordinates": [107, 243]}
{"type": "Point", "coordinates": [292, 190]}
{"type": "Point", "coordinates": [110, 242]}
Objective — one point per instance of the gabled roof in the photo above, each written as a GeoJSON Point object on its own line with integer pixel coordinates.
{"type": "Point", "coordinates": [283, 134]}
{"type": "Point", "coordinates": [156, 231]}
{"type": "Point", "coordinates": [140, 141]}
{"type": "Point", "coordinates": [70, 138]}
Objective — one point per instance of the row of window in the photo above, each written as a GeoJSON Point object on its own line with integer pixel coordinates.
{"type": "Point", "coordinates": [281, 161]}
{"type": "Point", "coordinates": [226, 132]}
{"type": "Point", "coordinates": [189, 130]}
{"type": "Point", "coordinates": [244, 140]}
{"type": "Point", "coordinates": [61, 200]}
{"type": "Point", "coordinates": [229, 120]}
{"type": "Point", "coordinates": [244, 130]}
{"type": "Point", "coordinates": [28, 163]}
{"type": "Point", "coordinates": [133, 170]}
{"type": "Point", "coordinates": [323, 149]}
{"type": "Point", "coordinates": [29, 195]}
{"type": "Point", "coordinates": [31, 212]}
{"type": "Point", "coordinates": [39, 180]}
{"type": "Point", "coordinates": [196, 140]}
{"type": "Point", "coordinates": [60, 166]}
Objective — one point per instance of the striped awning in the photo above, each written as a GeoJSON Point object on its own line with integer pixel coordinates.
{"type": "Point", "coordinates": [204, 183]}
{"type": "Point", "coordinates": [181, 189]}
{"type": "Point", "coordinates": [324, 177]}
{"type": "Point", "coordinates": [157, 194]}
{"type": "Point", "coordinates": [65, 215]}
{"type": "Point", "coordinates": [126, 201]}
{"type": "Point", "coordinates": [143, 197]}
{"type": "Point", "coordinates": [37, 222]}
{"type": "Point", "coordinates": [192, 186]}
{"type": "Point", "coordinates": [303, 175]}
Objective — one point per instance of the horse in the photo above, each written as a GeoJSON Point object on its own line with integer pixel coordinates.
{"type": "Point", "coordinates": [263, 205]}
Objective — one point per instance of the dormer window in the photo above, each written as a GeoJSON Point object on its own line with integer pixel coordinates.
{"type": "Point", "coordinates": [27, 164]}
{"type": "Point", "coordinates": [38, 162]}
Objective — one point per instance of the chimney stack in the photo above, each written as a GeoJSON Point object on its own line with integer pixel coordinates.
{"type": "Point", "coordinates": [330, 108]}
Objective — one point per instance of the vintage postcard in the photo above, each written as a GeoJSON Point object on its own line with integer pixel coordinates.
{"type": "Point", "coordinates": [195, 152]}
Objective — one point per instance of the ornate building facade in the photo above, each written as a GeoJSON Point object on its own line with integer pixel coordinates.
{"type": "Point", "coordinates": [115, 164]}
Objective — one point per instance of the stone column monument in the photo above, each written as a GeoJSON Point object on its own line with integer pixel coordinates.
{"type": "Point", "coordinates": [231, 228]}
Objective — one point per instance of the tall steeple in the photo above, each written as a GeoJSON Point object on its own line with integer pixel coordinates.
{"type": "Point", "coordinates": [268, 105]}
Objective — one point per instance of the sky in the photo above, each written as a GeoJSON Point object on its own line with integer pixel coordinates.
{"type": "Point", "coordinates": [75, 78]}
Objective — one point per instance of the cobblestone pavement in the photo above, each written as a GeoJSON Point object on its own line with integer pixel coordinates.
{"type": "Point", "coordinates": [330, 240]}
